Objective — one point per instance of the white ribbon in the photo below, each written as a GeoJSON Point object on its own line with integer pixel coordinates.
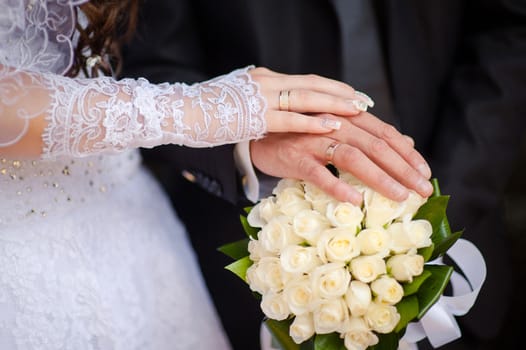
{"type": "Point", "coordinates": [439, 324]}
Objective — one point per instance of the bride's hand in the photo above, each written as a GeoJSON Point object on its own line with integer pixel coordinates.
{"type": "Point", "coordinates": [291, 97]}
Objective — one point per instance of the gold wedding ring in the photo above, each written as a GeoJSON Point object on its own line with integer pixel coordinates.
{"type": "Point", "coordinates": [284, 100]}
{"type": "Point", "coordinates": [329, 153]}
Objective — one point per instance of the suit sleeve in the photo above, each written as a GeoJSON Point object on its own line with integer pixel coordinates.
{"type": "Point", "coordinates": [482, 123]}
{"type": "Point", "coordinates": [168, 48]}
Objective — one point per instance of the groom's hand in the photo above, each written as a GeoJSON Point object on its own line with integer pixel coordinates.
{"type": "Point", "coordinates": [373, 151]}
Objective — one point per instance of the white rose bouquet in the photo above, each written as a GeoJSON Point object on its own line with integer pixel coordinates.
{"type": "Point", "coordinates": [332, 275]}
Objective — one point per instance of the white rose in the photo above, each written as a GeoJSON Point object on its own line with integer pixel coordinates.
{"type": "Point", "coordinates": [358, 335]}
{"type": "Point", "coordinates": [419, 232]}
{"type": "Point", "coordinates": [330, 280]}
{"type": "Point", "coordinates": [298, 259]}
{"type": "Point", "coordinates": [274, 306]}
{"type": "Point", "coordinates": [257, 251]}
{"type": "Point", "coordinates": [358, 298]}
{"type": "Point", "coordinates": [343, 214]}
{"type": "Point", "coordinates": [374, 241]}
{"type": "Point", "coordinates": [291, 201]}
{"type": "Point", "coordinates": [317, 197]}
{"type": "Point", "coordinates": [309, 224]}
{"type": "Point", "coordinates": [387, 290]}
{"type": "Point", "coordinates": [277, 234]}
{"type": "Point", "coordinates": [331, 316]}
{"type": "Point", "coordinates": [404, 267]}
{"type": "Point", "coordinates": [263, 212]}
{"type": "Point", "coordinates": [286, 183]}
{"type": "Point", "coordinates": [299, 295]}
{"type": "Point", "coordinates": [337, 245]}
{"type": "Point", "coordinates": [254, 281]}
{"type": "Point", "coordinates": [411, 205]}
{"type": "Point", "coordinates": [382, 318]}
{"type": "Point", "coordinates": [400, 242]}
{"type": "Point", "coordinates": [367, 268]}
{"type": "Point", "coordinates": [380, 210]}
{"type": "Point", "coordinates": [267, 275]}
{"type": "Point", "coordinates": [302, 328]}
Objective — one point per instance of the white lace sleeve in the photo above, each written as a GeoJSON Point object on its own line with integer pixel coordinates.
{"type": "Point", "coordinates": [79, 117]}
{"type": "Point", "coordinates": [89, 116]}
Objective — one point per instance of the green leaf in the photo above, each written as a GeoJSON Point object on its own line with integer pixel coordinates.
{"type": "Point", "coordinates": [445, 244]}
{"type": "Point", "coordinates": [308, 344]}
{"type": "Point", "coordinates": [239, 267]}
{"type": "Point", "coordinates": [252, 232]}
{"type": "Point", "coordinates": [280, 334]}
{"type": "Point", "coordinates": [386, 342]}
{"type": "Point", "coordinates": [427, 252]}
{"type": "Point", "coordinates": [433, 287]}
{"type": "Point", "coordinates": [248, 209]}
{"type": "Point", "coordinates": [330, 341]}
{"type": "Point", "coordinates": [436, 187]}
{"type": "Point", "coordinates": [414, 286]}
{"type": "Point", "coordinates": [434, 211]}
{"type": "Point", "coordinates": [235, 250]}
{"type": "Point", "coordinates": [408, 310]}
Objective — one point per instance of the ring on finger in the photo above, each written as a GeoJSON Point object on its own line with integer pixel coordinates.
{"type": "Point", "coordinates": [329, 152]}
{"type": "Point", "coordinates": [284, 100]}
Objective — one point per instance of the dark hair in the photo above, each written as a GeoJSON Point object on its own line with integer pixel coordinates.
{"type": "Point", "coordinates": [110, 24]}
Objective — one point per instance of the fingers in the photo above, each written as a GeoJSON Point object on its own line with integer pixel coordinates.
{"type": "Point", "coordinates": [281, 119]}
{"type": "Point", "coordinates": [307, 94]}
{"type": "Point", "coordinates": [307, 101]}
{"type": "Point", "coordinates": [278, 121]}
{"type": "Point", "coordinates": [385, 156]}
{"type": "Point", "coordinates": [395, 140]}
{"type": "Point", "coordinates": [297, 156]}
{"type": "Point", "coordinates": [353, 160]}
{"type": "Point", "coordinates": [307, 81]}
{"type": "Point", "coordinates": [410, 140]}
{"type": "Point", "coordinates": [321, 177]}
{"type": "Point", "coordinates": [372, 150]}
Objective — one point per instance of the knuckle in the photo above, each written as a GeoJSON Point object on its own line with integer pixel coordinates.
{"type": "Point", "coordinates": [409, 174]}
{"type": "Point", "coordinates": [308, 168]}
{"type": "Point", "coordinates": [300, 95]}
{"type": "Point", "coordinates": [389, 132]}
{"type": "Point", "coordinates": [313, 77]}
{"type": "Point", "coordinates": [289, 151]}
{"type": "Point", "coordinates": [350, 155]}
{"type": "Point", "coordinates": [261, 70]}
{"type": "Point", "coordinates": [412, 156]}
{"type": "Point", "coordinates": [378, 147]}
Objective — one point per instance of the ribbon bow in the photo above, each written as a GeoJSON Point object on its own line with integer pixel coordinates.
{"type": "Point", "coordinates": [439, 324]}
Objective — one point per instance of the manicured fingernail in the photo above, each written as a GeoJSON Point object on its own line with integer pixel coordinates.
{"type": "Point", "coordinates": [368, 100]}
{"type": "Point", "coordinates": [331, 123]}
{"type": "Point", "coordinates": [359, 105]}
{"type": "Point", "coordinates": [424, 170]}
{"type": "Point", "coordinates": [425, 186]}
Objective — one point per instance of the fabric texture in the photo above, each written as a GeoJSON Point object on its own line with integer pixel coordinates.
{"type": "Point", "coordinates": [91, 254]}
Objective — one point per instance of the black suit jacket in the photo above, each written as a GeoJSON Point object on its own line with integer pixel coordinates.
{"type": "Point", "coordinates": [457, 74]}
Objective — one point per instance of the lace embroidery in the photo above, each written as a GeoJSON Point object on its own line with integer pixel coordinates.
{"type": "Point", "coordinates": [103, 115]}
{"type": "Point", "coordinates": [90, 116]}
{"type": "Point", "coordinates": [35, 35]}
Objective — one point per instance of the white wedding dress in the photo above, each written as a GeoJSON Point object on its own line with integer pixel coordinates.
{"type": "Point", "coordinates": [91, 255]}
